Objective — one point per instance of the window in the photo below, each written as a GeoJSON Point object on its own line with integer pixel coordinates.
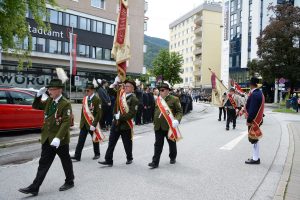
{"type": "Point", "coordinates": [93, 26]}
{"type": "Point", "coordinates": [98, 3]}
{"type": "Point", "coordinates": [230, 61]}
{"type": "Point", "coordinates": [52, 46]}
{"type": "Point", "coordinates": [93, 53]}
{"type": "Point", "coordinates": [21, 98]}
{"type": "Point", "coordinates": [3, 98]}
{"type": "Point", "coordinates": [59, 47]}
{"type": "Point", "coordinates": [238, 4]}
{"type": "Point", "coordinates": [238, 31]}
{"type": "Point", "coordinates": [99, 53]}
{"type": "Point", "coordinates": [83, 50]}
{"type": "Point", "coordinates": [66, 48]}
{"type": "Point", "coordinates": [53, 16]}
{"type": "Point", "coordinates": [231, 33]}
{"type": "Point", "coordinates": [232, 5]}
{"type": "Point", "coordinates": [99, 27]}
{"type": "Point", "coordinates": [66, 19]}
{"type": "Point", "coordinates": [107, 29]}
{"type": "Point", "coordinates": [33, 44]}
{"type": "Point", "coordinates": [186, 80]}
{"type": "Point", "coordinates": [83, 23]}
{"type": "Point", "coordinates": [25, 43]}
{"type": "Point", "coordinates": [106, 54]}
{"type": "Point", "coordinates": [73, 21]}
{"type": "Point", "coordinates": [60, 19]}
{"type": "Point", "coordinates": [113, 29]}
{"type": "Point", "coordinates": [40, 44]}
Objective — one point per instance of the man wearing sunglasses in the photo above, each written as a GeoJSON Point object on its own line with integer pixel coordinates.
{"type": "Point", "coordinates": [93, 106]}
{"type": "Point", "coordinates": [161, 125]}
{"type": "Point", "coordinates": [124, 111]}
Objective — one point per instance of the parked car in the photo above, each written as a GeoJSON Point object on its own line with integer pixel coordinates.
{"type": "Point", "coordinates": [16, 112]}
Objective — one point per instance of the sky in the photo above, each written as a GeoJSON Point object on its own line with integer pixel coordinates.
{"type": "Point", "coordinates": [163, 12]}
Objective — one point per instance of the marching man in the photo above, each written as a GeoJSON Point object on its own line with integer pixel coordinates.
{"type": "Point", "coordinates": [55, 137]}
{"type": "Point", "coordinates": [125, 110]}
{"type": "Point", "coordinates": [167, 114]}
{"type": "Point", "coordinates": [90, 115]}
{"type": "Point", "coordinates": [254, 114]}
{"type": "Point", "coordinates": [232, 108]}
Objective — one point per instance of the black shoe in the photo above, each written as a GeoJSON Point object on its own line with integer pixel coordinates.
{"type": "Point", "coordinates": [109, 164]}
{"type": "Point", "coordinates": [234, 127]}
{"type": "Point", "coordinates": [172, 161]}
{"type": "Point", "coordinates": [74, 158]}
{"type": "Point", "coordinates": [128, 162]}
{"type": "Point", "coordinates": [224, 119]}
{"type": "Point", "coordinates": [153, 165]}
{"type": "Point", "coordinates": [219, 119]}
{"type": "Point", "coordinates": [96, 157]}
{"type": "Point", "coordinates": [227, 128]}
{"type": "Point", "coordinates": [252, 162]}
{"type": "Point", "coordinates": [29, 190]}
{"type": "Point", "coordinates": [66, 186]}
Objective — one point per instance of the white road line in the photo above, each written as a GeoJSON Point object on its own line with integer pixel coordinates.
{"type": "Point", "coordinates": [230, 145]}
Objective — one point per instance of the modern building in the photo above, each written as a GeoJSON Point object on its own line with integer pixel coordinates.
{"type": "Point", "coordinates": [243, 21]}
{"type": "Point", "coordinates": [94, 22]}
{"type": "Point", "coordinates": [197, 37]}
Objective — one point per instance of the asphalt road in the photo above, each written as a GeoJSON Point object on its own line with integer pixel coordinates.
{"type": "Point", "coordinates": [210, 165]}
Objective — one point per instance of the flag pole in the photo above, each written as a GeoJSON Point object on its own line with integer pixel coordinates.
{"type": "Point", "coordinates": [71, 60]}
{"type": "Point", "coordinates": [217, 78]}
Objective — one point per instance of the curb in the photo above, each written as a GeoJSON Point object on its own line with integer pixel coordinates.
{"type": "Point", "coordinates": [284, 179]}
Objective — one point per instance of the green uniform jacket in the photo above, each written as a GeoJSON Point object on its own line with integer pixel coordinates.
{"type": "Point", "coordinates": [132, 102]}
{"type": "Point", "coordinates": [55, 127]}
{"type": "Point", "coordinates": [95, 108]}
{"type": "Point", "coordinates": [159, 120]}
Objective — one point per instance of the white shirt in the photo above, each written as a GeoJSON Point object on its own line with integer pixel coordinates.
{"type": "Point", "coordinates": [127, 95]}
{"type": "Point", "coordinates": [57, 99]}
{"type": "Point", "coordinates": [90, 97]}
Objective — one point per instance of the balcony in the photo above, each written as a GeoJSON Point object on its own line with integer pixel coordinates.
{"type": "Point", "coordinates": [198, 30]}
{"type": "Point", "coordinates": [197, 41]}
{"type": "Point", "coordinates": [198, 20]}
{"type": "Point", "coordinates": [197, 62]}
{"type": "Point", "coordinates": [197, 51]}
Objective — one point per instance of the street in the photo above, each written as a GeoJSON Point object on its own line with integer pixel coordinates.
{"type": "Point", "coordinates": [210, 164]}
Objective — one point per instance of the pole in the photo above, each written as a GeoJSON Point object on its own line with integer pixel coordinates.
{"type": "Point", "coordinates": [276, 91]}
{"type": "Point", "coordinates": [71, 60]}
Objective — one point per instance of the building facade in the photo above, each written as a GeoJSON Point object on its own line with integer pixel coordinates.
{"type": "Point", "coordinates": [197, 37]}
{"type": "Point", "coordinates": [243, 21]}
{"type": "Point", "coordinates": [94, 22]}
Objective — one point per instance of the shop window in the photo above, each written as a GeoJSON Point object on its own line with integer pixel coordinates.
{"type": "Point", "coordinates": [40, 44]}
{"type": "Point", "coordinates": [99, 53]}
{"type": "Point", "coordinates": [83, 50]}
{"type": "Point", "coordinates": [59, 47]}
{"type": "Point", "coordinates": [107, 54]}
{"type": "Point", "coordinates": [93, 52]}
{"type": "Point", "coordinates": [52, 46]}
{"type": "Point", "coordinates": [33, 44]}
{"type": "Point", "coordinates": [66, 48]}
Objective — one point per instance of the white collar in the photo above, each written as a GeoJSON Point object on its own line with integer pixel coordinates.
{"type": "Point", "coordinates": [253, 90]}
{"type": "Point", "coordinates": [58, 98]}
{"type": "Point", "coordinates": [90, 97]}
{"type": "Point", "coordinates": [127, 95]}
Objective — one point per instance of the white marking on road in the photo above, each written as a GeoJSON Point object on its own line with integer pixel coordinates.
{"type": "Point", "coordinates": [230, 145]}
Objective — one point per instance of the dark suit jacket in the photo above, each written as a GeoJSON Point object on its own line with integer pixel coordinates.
{"type": "Point", "coordinates": [254, 102]}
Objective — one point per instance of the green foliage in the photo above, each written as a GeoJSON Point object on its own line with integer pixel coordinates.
{"type": "Point", "coordinates": [168, 65]}
{"type": "Point", "coordinates": [154, 45]}
{"type": "Point", "coordinates": [14, 27]}
{"type": "Point", "coordinates": [278, 45]}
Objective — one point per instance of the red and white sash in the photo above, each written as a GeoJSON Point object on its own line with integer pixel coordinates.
{"type": "Point", "coordinates": [174, 133]}
{"type": "Point", "coordinates": [233, 103]}
{"type": "Point", "coordinates": [97, 135]}
{"type": "Point", "coordinates": [124, 108]}
{"type": "Point", "coordinates": [254, 130]}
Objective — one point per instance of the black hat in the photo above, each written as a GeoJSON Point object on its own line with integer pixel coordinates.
{"type": "Point", "coordinates": [89, 85]}
{"type": "Point", "coordinates": [254, 81]}
{"type": "Point", "coordinates": [164, 85]}
{"type": "Point", "coordinates": [56, 83]}
{"type": "Point", "coordinates": [132, 82]}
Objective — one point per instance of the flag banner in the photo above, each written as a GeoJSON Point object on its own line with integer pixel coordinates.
{"type": "Point", "coordinates": [121, 46]}
{"type": "Point", "coordinates": [218, 89]}
{"type": "Point", "coordinates": [237, 87]}
{"type": "Point", "coordinates": [73, 53]}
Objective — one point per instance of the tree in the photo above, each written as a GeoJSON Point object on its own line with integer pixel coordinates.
{"type": "Point", "coordinates": [14, 27]}
{"type": "Point", "coordinates": [278, 45]}
{"type": "Point", "coordinates": [168, 65]}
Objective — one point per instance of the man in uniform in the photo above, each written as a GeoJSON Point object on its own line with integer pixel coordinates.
{"type": "Point", "coordinates": [124, 111]}
{"type": "Point", "coordinates": [55, 137]}
{"type": "Point", "coordinates": [93, 106]}
{"type": "Point", "coordinates": [231, 107]}
{"type": "Point", "coordinates": [255, 112]}
{"type": "Point", "coordinates": [161, 126]}
{"type": "Point", "coordinates": [222, 108]}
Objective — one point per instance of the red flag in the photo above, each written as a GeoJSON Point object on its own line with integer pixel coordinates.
{"type": "Point", "coordinates": [121, 47]}
{"type": "Point", "coordinates": [73, 53]}
{"type": "Point", "coordinates": [237, 87]}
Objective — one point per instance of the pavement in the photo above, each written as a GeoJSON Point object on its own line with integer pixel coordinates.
{"type": "Point", "coordinates": [289, 183]}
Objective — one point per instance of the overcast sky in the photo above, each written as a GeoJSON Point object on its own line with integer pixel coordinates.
{"type": "Point", "coordinates": [162, 12]}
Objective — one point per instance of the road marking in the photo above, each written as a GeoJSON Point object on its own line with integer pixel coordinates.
{"type": "Point", "coordinates": [230, 145]}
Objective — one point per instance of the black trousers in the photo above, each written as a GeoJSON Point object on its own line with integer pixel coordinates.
{"type": "Point", "coordinates": [146, 115]}
{"type": "Point", "coordinates": [138, 117]}
{"type": "Point", "coordinates": [104, 118]}
{"type": "Point", "coordinates": [113, 139]}
{"type": "Point", "coordinates": [47, 156]}
{"type": "Point", "coordinates": [160, 135]}
{"type": "Point", "coordinates": [231, 116]}
{"type": "Point", "coordinates": [81, 140]}
{"type": "Point", "coordinates": [220, 112]}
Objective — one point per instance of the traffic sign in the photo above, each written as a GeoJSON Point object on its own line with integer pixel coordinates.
{"type": "Point", "coordinates": [77, 81]}
{"type": "Point", "coordinates": [281, 80]}
{"type": "Point", "coordinates": [281, 85]}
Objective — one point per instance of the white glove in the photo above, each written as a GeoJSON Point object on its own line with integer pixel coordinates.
{"type": "Point", "coordinates": [41, 91]}
{"type": "Point", "coordinates": [112, 86]}
{"type": "Point", "coordinates": [117, 116]}
{"type": "Point", "coordinates": [55, 142]}
{"type": "Point", "coordinates": [92, 128]}
{"type": "Point", "coordinates": [117, 80]}
{"type": "Point", "coordinates": [175, 123]}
